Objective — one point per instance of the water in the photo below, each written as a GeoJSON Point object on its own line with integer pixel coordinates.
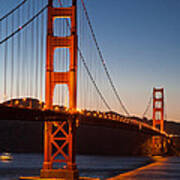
{"type": "Point", "coordinates": [89, 166]}
{"type": "Point", "coordinates": [167, 168]}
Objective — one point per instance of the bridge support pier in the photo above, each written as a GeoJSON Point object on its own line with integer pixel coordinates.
{"type": "Point", "coordinates": [61, 150]}
{"type": "Point", "coordinates": [159, 145]}
{"type": "Point", "coordinates": [156, 145]}
{"type": "Point", "coordinates": [67, 174]}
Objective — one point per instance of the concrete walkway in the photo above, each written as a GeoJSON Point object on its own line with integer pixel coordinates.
{"type": "Point", "coordinates": [162, 169]}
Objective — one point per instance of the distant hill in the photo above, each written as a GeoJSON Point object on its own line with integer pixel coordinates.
{"type": "Point", "coordinates": [172, 127]}
{"type": "Point", "coordinates": [27, 102]}
{"type": "Point", "coordinates": [30, 102]}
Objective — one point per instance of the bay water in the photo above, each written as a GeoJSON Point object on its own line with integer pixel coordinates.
{"type": "Point", "coordinates": [88, 165]}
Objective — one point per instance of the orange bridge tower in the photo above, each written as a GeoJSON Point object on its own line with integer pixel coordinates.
{"type": "Point", "coordinates": [158, 120]}
{"type": "Point", "coordinates": [59, 136]}
{"type": "Point", "coordinates": [158, 108]}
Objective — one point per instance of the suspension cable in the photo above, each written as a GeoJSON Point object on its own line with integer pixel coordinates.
{"type": "Point", "coordinates": [103, 61]}
{"type": "Point", "coordinates": [147, 107]}
{"type": "Point", "coordinates": [88, 71]}
{"type": "Point", "coordinates": [13, 10]}
{"type": "Point", "coordinates": [91, 77]}
{"type": "Point", "coordinates": [24, 25]}
{"type": "Point", "coordinates": [12, 59]}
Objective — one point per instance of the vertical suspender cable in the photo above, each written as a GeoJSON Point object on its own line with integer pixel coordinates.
{"type": "Point", "coordinates": [29, 59]}
{"type": "Point", "coordinates": [147, 107]}
{"type": "Point", "coordinates": [32, 55]}
{"type": "Point", "coordinates": [41, 56]}
{"type": "Point", "coordinates": [5, 62]}
{"type": "Point", "coordinates": [20, 52]}
{"type": "Point", "coordinates": [12, 57]}
{"type": "Point", "coordinates": [18, 57]}
{"type": "Point", "coordinates": [24, 59]}
{"type": "Point", "coordinates": [37, 56]}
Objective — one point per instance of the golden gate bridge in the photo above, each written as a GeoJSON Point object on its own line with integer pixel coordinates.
{"type": "Point", "coordinates": [46, 57]}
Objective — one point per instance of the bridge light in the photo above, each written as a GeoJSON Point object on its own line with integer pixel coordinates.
{"type": "Point", "coordinates": [56, 108]}
{"type": "Point", "coordinates": [77, 122]}
{"type": "Point", "coordinates": [16, 102]}
{"type": "Point", "coordinates": [44, 107]}
{"type": "Point", "coordinates": [79, 110]}
{"type": "Point", "coordinates": [24, 99]}
{"type": "Point", "coordinates": [94, 114]}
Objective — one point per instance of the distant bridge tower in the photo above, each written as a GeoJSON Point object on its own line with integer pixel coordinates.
{"type": "Point", "coordinates": [59, 137]}
{"type": "Point", "coordinates": [158, 108]}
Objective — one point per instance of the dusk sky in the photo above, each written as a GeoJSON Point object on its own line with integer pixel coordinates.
{"type": "Point", "coordinates": [140, 41]}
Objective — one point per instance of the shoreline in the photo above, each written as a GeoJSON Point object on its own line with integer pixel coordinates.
{"type": "Point", "coordinates": [125, 173]}
{"type": "Point", "coordinates": [154, 161]}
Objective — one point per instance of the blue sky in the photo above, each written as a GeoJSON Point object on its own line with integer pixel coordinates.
{"type": "Point", "coordinates": [140, 41]}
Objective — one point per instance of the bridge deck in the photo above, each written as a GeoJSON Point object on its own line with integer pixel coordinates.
{"type": "Point", "coordinates": [87, 117]}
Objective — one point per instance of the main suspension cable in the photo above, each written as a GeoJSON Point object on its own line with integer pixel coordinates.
{"type": "Point", "coordinates": [92, 79]}
{"type": "Point", "coordinates": [24, 25]}
{"type": "Point", "coordinates": [102, 60]}
{"type": "Point", "coordinates": [13, 10]}
{"type": "Point", "coordinates": [147, 107]}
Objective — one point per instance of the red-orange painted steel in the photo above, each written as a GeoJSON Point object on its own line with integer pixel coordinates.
{"type": "Point", "coordinates": [158, 108]}
{"type": "Point", "coordinates": [59, 137]}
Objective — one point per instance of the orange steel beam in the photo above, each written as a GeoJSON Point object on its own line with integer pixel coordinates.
{"type": "Point", "coordinates": [158, 108]}
{"type": "Point", "coordinates": [59, 137]}
{"type": "Point", "coordinates": [158, 116]}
